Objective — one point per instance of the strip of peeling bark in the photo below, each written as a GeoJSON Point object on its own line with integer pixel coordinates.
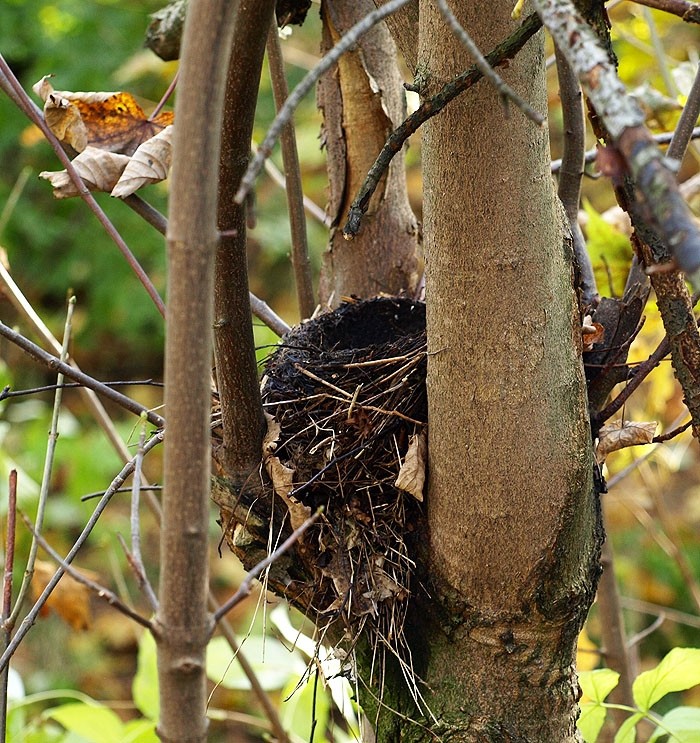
{"type": "Point", "coordinates": [361, 102]}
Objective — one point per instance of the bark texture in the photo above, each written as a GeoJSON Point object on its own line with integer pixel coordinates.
{"type": "Point", "coordinates": [183, 626]}
{"type": "Point", "coordinates": [362, 100]}
{"type": "Point", "coordinates": [514, 529]}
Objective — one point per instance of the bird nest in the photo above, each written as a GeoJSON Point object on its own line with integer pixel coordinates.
{"type": "Point", "coordinates": [346, 405]}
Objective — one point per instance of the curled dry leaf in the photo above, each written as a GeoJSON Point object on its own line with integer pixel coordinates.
{"type": "Point", "coordinates": [149, 164]}
{"type": "Point", "coordinates": [282, 476]}
{"type": "Point", "coordinates": [592, 332]}
{"type": "Point", "coordinates": [70, 599]}
{"type": "Point", "coordinates": [411, 476]}
{"type": "Point", "coordinates": [106, 129]}
{"type": "Point", "coordinates": [99, 170]}
{"type": "Point", "coordinates": [621, 434]}
{"type": "Point", "coordinates": [111, 121]}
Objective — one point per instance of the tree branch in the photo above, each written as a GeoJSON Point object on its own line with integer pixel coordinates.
{"type": "Point", "coordinates": [236, 368]}
{"type": "Point", "coordinates": [182, 626]}
{"type": "Point", "coordinates": [504, 51]}
{"type": "Point", "coordinates": [571, 172]}
{"type": "Point", "coordinates": [685, 9]}
{"type": "Point", "coordinates": [293, 185]}
{"type": "Point", "coordinates": [326, 63]}
{"type": "Point", "coordinates": [76, 375]}
{"type": "Point", "coordinates": [655, 182]}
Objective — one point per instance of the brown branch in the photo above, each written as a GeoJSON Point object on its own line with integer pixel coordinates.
{"type": "Point", "coordinates": [661, 438]}
{"type": "Point", "coordinates": [5, 628]}
{"type": "Point", "coordinates": [293, 186]}
{"type": "Point", "coordinates": [686, 10]}
{"type": "Point", "coordinates": [56, 364]}
{"type": "Point", "coordinates": [503, 52]}
{"type": "Point", "coordinates": [684, 129]}
{"type": "Point", "coordinates": [571, 173]}
{"type": "Point", "coordinates": [236, 368]}
{"type": "Point", "coordinates": [658, 196]}
{"type": "Point", "coordinates": [182, 626]}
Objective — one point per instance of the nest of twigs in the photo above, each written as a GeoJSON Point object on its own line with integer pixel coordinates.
{"type": "Point", "coordinates": [345, 395]}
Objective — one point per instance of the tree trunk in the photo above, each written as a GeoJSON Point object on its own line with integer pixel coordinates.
{"type": "Point", "coordinates": [362, 101]}
{"type": "Point", "coordinates": [512, 549]}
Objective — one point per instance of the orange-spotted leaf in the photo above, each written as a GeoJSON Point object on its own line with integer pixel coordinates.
{"type": "Point", "coordinates": [113, 121]}
{"type": "Point", "coordinates": [70, 599]}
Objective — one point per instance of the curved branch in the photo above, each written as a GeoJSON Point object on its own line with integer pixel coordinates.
{"type": "Point", "coordinates": [504, 51]}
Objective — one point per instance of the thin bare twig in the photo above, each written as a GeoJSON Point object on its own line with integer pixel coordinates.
{"type": "Point", "coordinates": [136, 559]}
{"type": "Point", "coordinates": [326, 63]}
{"type": "Point", "coordinates": [294, 190]}
{"type": "Point", "coordinates": [503, 52]}
{"type": "Point", "coordinates": [685, 9]}
{"type": "Point", "coordinates": [246, 586]}
{"type": "Point", "coordinates": [571, 173]}
{"type": "Point", "coordinates": [149, 213]}
{"type": "Point", "coordinates": [48, 468]}
{"type": "Point", "coordinates": [12, 87]}
{"type": "Point", "coordinates": [104, 593]}
{"type": "Point", "coordinates": [684, 131]}
{"type": "Point", "coordinates": [94, 404]}
{"type": "Point", "coordinates": [33, 613]}
{"type": "Point", "coordinates": [504, 90]}
{"type": "Point", "coordinates": [591, 155]}
{"type": "Point", "coordinates": [56, 364]}
{"type": "Point", "coordinates": [7, 595]}
{"type": "Point", "coordinates": [636, 639]}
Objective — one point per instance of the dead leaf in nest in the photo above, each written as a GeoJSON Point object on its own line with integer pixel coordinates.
{"type": "Point", "coordinates": [621, 434]}
{"type": "Point", "coordinates": [110, 121]}
{"type": "Point", "coordinates": [99, 170]}
{"type": "Point", "coordinates": [592, 332]}
{"type": "Point", "coordinates": [282, 476]}
{"type": "Point", "coordinates": [70, 599]}
{"type": "Point", "coordinates": [411, 478]}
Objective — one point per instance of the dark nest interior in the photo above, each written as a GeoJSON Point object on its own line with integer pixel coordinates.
{"type": "Point", "coordinates": [345, 395]}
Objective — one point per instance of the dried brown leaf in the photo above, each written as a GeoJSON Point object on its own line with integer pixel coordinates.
{"type": "Point", "coordinates": [70, 599]}
{"type": "Point", "coordinates": [99, 169]}
{"type": "Point", "coordinates": [149, 164]}
{"type": "Point", "coordinates": [282, 476]}
{"type": "Point", "coordinates": [411, 476]}
{"type": "Point", "coordinates": [621, 434]}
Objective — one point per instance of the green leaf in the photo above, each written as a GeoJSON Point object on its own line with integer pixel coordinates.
{"type": "Point", "coordinates": [273, 664]}
{"type": "Point", "coordinates": [628, 730]}
{"type": "Point", "coordinates": [610, 251]}
{"type": "Point", "coordinates": [145, 685]}
{"type": "Point", "coordinates": [92, 722]}
{"type": "Point", "coordinates": [301, 712]}
{"type": "Point", "coordinates": [591, 720]}
{"type": "Point", "coordinates": [679, 670]}
{"type": "Point", "coordinates": [683, 723]}
{"type": "Point", "coordinates": [596, 685]}
{"type": "Point", "coordinates": [140, 731]}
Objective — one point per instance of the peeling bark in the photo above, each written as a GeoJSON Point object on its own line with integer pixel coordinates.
{"type": "Point", "coordinates": [362, 101]}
